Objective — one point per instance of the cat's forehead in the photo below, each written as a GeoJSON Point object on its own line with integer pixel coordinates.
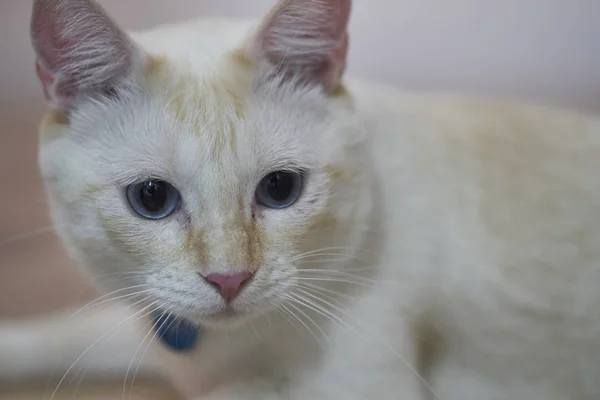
{"type": "Point", "coordinates": [201, 126]}
{"type": "Point", "coordinates": [207, 109]}
{"type": "Point", "coordinates": [196, 43]}
{"type": "Point", "coordinates": [232, 108]}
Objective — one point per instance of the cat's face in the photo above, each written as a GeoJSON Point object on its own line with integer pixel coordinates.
{"type": "Point", "coordinates": [203, 190]}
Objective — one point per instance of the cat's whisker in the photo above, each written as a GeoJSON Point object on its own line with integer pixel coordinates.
{"type": "Point", "coordinates": [103, 281]}
{"type": "Point", "coordinates": [331, 279]}
{"type": "Point", "coordinates": [347, 277]}
{"type": "Point", "coordinates": [293, 300]}
{"type": "Point", "coordinates": [334, 248]}
{"type": "Point", "coordinates": [154, 329]}
{"type": "Point", "coordinates": [90, 347]}
{"type": "Point", "coordinates": [150, 325]}
{"type": "Point", "coordinates": [121, 273]}
{"type": "Point", "coordinates": [26, 236]}
{"type": "Point", "coordinates": [371, 334]}
{"type": "Point", "coordinates": [108, 339]}
{"type": "Point", "coordinates": [269, 321]}
{"type": "Point", "coordinates": [97, 348]}
{"type": "Point", "coordinates": [324, 290]}
{"type": "Point", "coordinates": [323, 261]}
{"type": "Point", "coordinates": [317, 292]}
{"type": "Point", "coordinates": [118, 276]}
{"type": "Point", "coordinates": [80, 381]}
{"type": "Point", "coordinates": [324, 251]}
{"type": "Point", "coordinates": [323, 267]}
{"type": "Point", "coordinates": [146, 350]}
{"type": "Point", "coordinates": [333, 273]}
{"type": "Point", "coordinates": [255, 332]}
{"type": "Point", "coordinates": [322, 311]}
{"type": "Point", "coordinates": [294, 316]}
{"type": "Point", "coordinates": [110, 281]}
{"type": "Point", "coordinates": [282, 312]}
{"type": "Point", "coordinates": [129, 297]}
{"type": "Point", "coordinates": [336, 272]}
{"type": "Point", "coordinates": [330, 315]}
{"type": "Point", "coordinates": [303, 256]}
{"type": "Point", "coordinates": [101, 299]}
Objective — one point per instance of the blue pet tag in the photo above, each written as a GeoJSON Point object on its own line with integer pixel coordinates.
{"type": "Point", "coordinates": [178, 334]}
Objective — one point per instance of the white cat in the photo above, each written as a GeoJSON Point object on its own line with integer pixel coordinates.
{"type": "Point", "coordinates": [325, 238]}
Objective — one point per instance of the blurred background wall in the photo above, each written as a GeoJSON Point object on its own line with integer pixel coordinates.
{"type": "Point", "coordinates": [542, 50]}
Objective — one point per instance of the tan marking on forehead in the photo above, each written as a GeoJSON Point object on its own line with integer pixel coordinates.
{"type": "Point", "coordinates": [237, 102]}
{"type": "Point", "coordinates": [54, 125]}
{"type": "Point", "coordinates": [190, 106]}
{"type": "Point", "coordinates": [214, 103]}
{"type": "Point", "coordinates": [231, 89]}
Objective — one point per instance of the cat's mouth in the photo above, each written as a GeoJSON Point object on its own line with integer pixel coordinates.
{"type": "Point", "coordinates": [226, 316]}
{"type": "Point", "coordinates": [202, 306]}
{"type": "Point", "coordinates": [223, 318]}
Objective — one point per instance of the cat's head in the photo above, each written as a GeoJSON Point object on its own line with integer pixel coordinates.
{"type": "Point", "coordinates": [196, 176]}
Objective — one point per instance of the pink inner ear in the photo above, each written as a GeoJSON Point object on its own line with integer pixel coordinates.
{"type": "Point", "coordinates": [80, 50]}
{"type": "Point", "coordinates": [307, 39]}
{"type": "Point", "coordinates": [45, 78]}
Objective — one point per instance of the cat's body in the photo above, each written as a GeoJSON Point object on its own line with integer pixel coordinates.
{"type": "Point", "coordinates": [462, 233]}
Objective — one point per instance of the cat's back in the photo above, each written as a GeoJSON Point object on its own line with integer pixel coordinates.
{"type": "Point", "coordinates": [523, 174]}
{"type": "Point", "coordinates": [509, 194]}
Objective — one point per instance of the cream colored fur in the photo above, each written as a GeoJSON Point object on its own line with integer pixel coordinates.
{"type": "Point", "coordinates": [460, 236]}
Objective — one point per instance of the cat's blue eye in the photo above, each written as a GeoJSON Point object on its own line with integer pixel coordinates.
{"type": "Point", "coordinates": [153, 199]}
{"type": "Point", "coordinates": [279, 189]}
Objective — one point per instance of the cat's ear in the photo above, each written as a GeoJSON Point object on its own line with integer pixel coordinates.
{"type": "Point", "coordinates": [80, 51]}
{"type": "Point", "coordinates": [306, 39]}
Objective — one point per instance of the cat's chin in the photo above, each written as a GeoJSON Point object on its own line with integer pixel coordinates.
{"type": "Point", "coordinates": [226, 319]}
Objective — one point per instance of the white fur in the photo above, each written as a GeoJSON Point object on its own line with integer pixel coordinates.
{"type": "Point", "coordinates": [473, 255]}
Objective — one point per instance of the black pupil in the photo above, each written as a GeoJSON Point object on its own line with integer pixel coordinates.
{"type": "Point", "coordinates": [153, 195]}
{"type": "Point", "coordinates": [280, 185]}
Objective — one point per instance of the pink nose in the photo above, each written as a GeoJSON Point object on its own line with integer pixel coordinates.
{"type": "Point", "coordinates": [229, 286]}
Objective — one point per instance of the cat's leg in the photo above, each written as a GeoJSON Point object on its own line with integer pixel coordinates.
{"type": "Point", "coordinates": [375, 366]}
{"type": "Point", "coordinates": [356, 366]}
{"type": "Point", "coordinates": [102, 342]}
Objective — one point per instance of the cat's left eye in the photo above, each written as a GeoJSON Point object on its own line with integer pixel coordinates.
{"type": "Point", "coordinates": [279, 189]}
{"type": "Point", "coordinates": [153, 199]}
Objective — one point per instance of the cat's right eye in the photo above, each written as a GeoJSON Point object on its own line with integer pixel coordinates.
{"type": "Point", "coordinates": [153, 199]}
